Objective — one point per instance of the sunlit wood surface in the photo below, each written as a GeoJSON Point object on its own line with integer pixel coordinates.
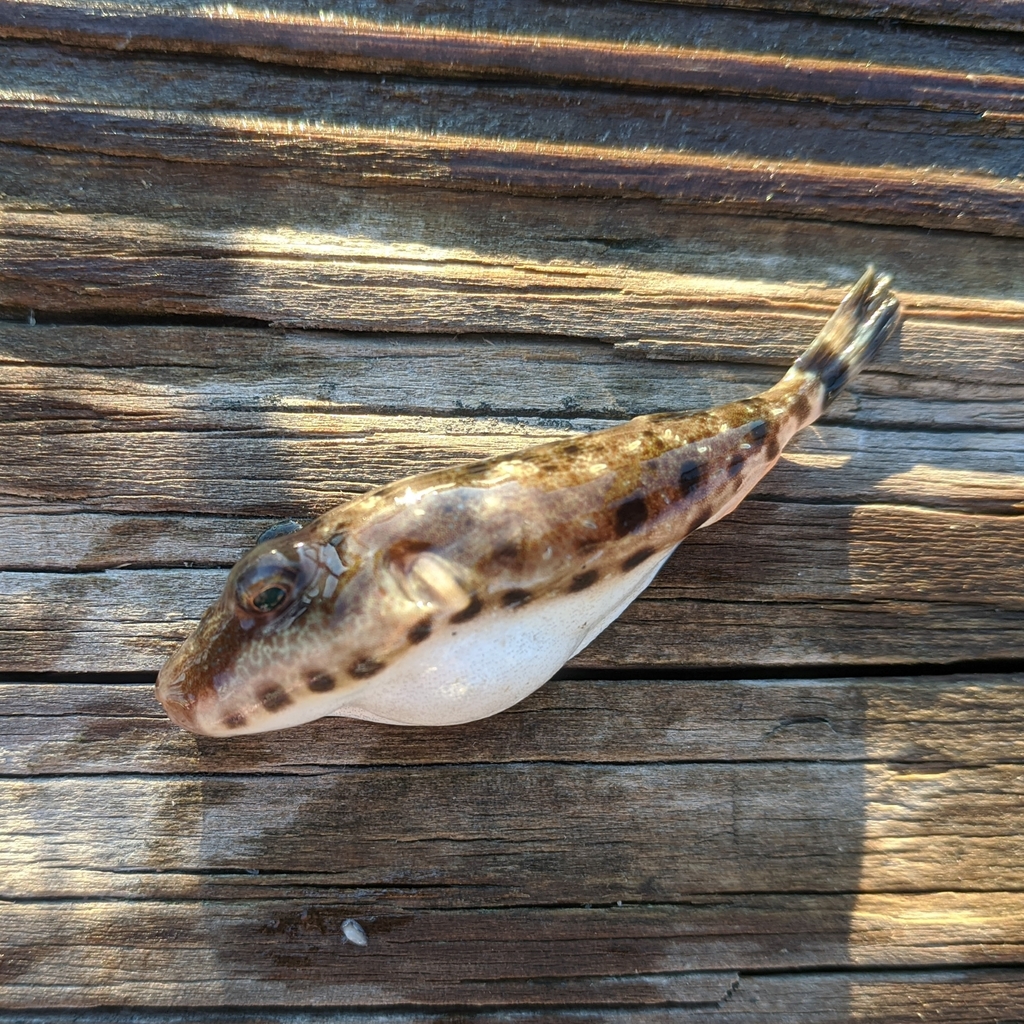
{"type": "Point", "coordinates": [255, 260]}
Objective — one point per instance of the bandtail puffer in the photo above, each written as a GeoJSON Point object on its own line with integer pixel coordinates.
{"type": "Point", "coordinates": [450, 596]}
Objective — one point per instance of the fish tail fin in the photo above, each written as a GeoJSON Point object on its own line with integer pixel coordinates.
{"type": "Point", "coordinates": [866, 318]}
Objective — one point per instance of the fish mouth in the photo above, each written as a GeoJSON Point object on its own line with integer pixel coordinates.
{"type": "Point", "coordinates": [180, 701]}
{"type": "Point", "coordinates": [198, 688]}
{"type": "Point", "coordinates": [184, 686]}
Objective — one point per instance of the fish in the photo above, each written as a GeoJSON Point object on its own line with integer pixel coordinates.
{"type": "Point", "coordinates": [449, 596]}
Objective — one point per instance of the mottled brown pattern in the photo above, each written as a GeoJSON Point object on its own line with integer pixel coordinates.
{"type": "Point", "coordinates": [801, 408]}
{"type": "Point", "coordinates": [488, 538]}
{"type": "Point", "coordinates": [404, 550]}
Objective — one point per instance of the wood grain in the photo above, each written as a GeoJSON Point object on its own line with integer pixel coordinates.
{"type": "Point", "coordinates": [103, 235]}
{"type": "Point", "coordinates": [486, 39]}
{"type": "Point", "coordinates": [77, 728]}
{"type": "Point", "coordinates": [345, 41]}
{"type": "Point", "coordinates": [961, 996]}
{"type": "Point", "coordinates": [213, 873]}
{"type": "Point", "coordinates": [443, 959]}
{"type": "Point", "coordinates": [966, 996]}
{"type": "Point", "coordinates": [921, 197]}
{"type": "Point", "coordinates": [959, 172]}
{"type": "Point", "coordinates": [264, 261]}
{"type": "Point", "coordinates": [941, 373]}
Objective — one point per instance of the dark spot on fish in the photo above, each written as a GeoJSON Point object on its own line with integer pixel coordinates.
{"type": "Point", "coordinates": [801, 407]}
{"type": "Point", "coordinates": [321, 682]}
{"type": "Point", "coordinates": [365, 667]}
{"type": "Point", "coordinates": [235, 721]}
{"type": "Point", "coordinates": [571, 449]}
{"type": "Point", "coordinates": [771, 449]}
{"type": "Point", "coordinates": [420, 631]}
{"type": "Point", "coordinates": [515, 598]}
{"type": "Point", "coordinates": [507, 553]}
{"type": "Point", "coordinates": [584, 580]}
{"type": "Point", "coordinates": [735, 464]}
{"type": "Point", "coordinates": [689, 476]}
{"type": "Point", "coordinates": [630, 516]}
{"type": "Point", "coordinates": [758, 432]}
{"type": "Point", "coordinates": [471, 611]}
{"type": "Point", "coordinates": [636, 558]}
{"type": "Point", "coordinates": [274, 698]}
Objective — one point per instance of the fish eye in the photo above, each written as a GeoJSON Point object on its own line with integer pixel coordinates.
{"type": "Point", "coordinates": [267, 599]}
{"type": "Point", "coordinates": [268, 585]}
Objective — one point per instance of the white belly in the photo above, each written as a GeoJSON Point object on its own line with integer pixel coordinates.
{"type": "Point", "coordinates": [475, 669]}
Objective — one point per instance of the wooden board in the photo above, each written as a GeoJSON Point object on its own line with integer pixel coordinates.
{"type": "Point", "coordinates": [601, 826]}
{"type": "Point", "coordinates": [255, 261]}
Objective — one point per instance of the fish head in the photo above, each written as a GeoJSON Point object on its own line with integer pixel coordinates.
{"type": "Point", "coordinates": [262, 655]}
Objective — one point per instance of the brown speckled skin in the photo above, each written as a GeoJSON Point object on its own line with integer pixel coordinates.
{"type": "Point", "coordinates": [552, 519]}
{"type": "Point", "coordinates": [380, 575]}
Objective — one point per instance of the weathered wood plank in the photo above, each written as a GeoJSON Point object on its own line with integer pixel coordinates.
{"type": "Point", "coordinates": [514, 834]}
{"type": "Point", "coordinates": [970, 996]}
{"type": "Point", "coordinates": [96, 728]}
{"type": "Point", "coordinates": [668, 47]}
{"type": "Point", "coordinates": [945, 997]}
{"type": "Point", "coordinates": [630, 279]}
{"type": "Point", "coordinates": [959, 172]}
{"type": "Point", "coordinates": [275, 952]}
{"type": "Point", "coordinates": [737, 333]}
{"type": "Point", "coordinates": [1007, 15]}
{"type": "Point", "coordinates": [87, 264]}
{"type": "Point", "coordinates": [165, 206]}
{"type": "Point", "coordinates": [921, 197]}
{"type": "Point", "coordinates": [169, 377]}
{"type": "Point", "coordinates": [593, 45]}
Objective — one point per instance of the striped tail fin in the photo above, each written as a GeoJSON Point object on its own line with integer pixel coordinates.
{"type": "Point", "coordinates": [866, 318]}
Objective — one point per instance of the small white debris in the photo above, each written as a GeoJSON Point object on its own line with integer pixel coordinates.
{"type": "Point", "coordinates": [353, 931]}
